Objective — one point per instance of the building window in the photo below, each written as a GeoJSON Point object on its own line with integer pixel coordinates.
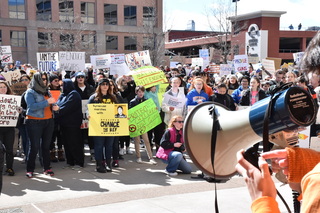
{"type": "Point", "coordinates": [88, 41]}
{"type": "Point", "coordinates": [66, 11]}
{"type": "Point", "coordinates": [18, 38]}
{"type": "Point", "coordinates": [149, 16]}
{"type": "Point", "coordinates": [67, 41]}
{"type": "Point", "coordinates": [43, 10]}
{"type": "Point", "coordinates": [17, 9]}
{"type": "Point", "coordinates": [130, 43]}
{"type": "Point", "coordinates": [110, 14]}
{"type": "Point", "coordinates": [87, 13]}
{"type": "Point", "coordinates": [44, 40]}
{"type": "Point", "coordinates": [130, 15]}
{"type": "Point", "coordinates": [111, 42]}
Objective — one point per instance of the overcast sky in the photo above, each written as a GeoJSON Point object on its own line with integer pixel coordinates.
{"type": "Point", "coordinates": [178, 12]}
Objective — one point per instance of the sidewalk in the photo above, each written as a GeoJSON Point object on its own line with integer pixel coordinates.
{"type": "Point", "coordinates": [132, 187]}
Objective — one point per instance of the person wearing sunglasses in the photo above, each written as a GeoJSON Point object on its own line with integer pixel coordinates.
{"type": "Point", "coordinates": [172, 148]}
{"type": "Point", "coordinates": [39, 122]}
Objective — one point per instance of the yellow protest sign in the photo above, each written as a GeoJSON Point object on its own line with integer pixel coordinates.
{"type": "Point", "coordinates": [148, 76]}
{"type": "Point", "coordinates": [108, 119]}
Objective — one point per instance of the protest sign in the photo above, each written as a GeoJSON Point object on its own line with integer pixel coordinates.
{"type": "Point", "coordinates": [85, 121]}
{"type": "Point", "coordinates": [213, 68]}
{"type": "Point", "coordinates": [143, 118]}
{"type": "Point", "coordinates": [5, 54]}
{"type": "Point", "coordinates": [304, 137]}
{"type": "Point", "coordinates": [173, 64]}
{"type": "Point", "coordinates": [253, 59]}
{"type": "Point", "coordinates": [268, 65]}
{"type": "Point", "coordinates": [241, 63]}
{"type": "Point", "coordinates": [138, 59]}
{"type": "Point", "coordinates": [100, 61]}
{"type": "Point", "coordinates": [197, 62]}
{"type": "Point", "coordinates": [48, 61]}
{"type": "Point", "coordinates": [118, 58]}
{"type": "Point", "coordinates": [277, 62]}
{"type": "Point", "coordinates": [204, 54]}
{"type": "Point", "coordinates": [105, 120]}
{"type": "Point", "coordinates": [18, 88]}
{"type": "Point", "coordinates": [73, 61]}
{"type": "Point", "coordinates": [9, 105]}
{"type": "Point", "coordinates": [12, 77]}
{"type": "Point", "coordinates": [119, 69]}
{"type": "Point", "coordinates": [297, 57]}
{"type": "Point", "coordinates": [225, 69]}
{"type": "Point", "coordinates": [148, 76]}
{"type": "Point", "coordinates": [174, 101]}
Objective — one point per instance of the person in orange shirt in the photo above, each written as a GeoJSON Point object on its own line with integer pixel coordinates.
{"type": "Point", "coordinates": [39, 122]}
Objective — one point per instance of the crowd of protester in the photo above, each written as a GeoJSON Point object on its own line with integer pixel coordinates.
{"type": "Point", "coordinates": [50, 128]}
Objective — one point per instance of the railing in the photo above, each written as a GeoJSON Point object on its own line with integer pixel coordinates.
{"type": "Point", "coordinates": [289, 50]}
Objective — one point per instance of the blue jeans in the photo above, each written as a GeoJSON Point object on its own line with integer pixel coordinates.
{"type": "Point", "coordinates": [103, 147]}
{"type": "Point", "coordinates": [176, 161]}
{"type": "Point", "coordinates": [25, 139]}
{"type": "Point", "coordinates": [40, 133]}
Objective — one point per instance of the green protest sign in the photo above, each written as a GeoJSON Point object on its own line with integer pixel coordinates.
{"type": "Point", "coordinates": [143, 118]}
{"type": "Point", "coordinates": [148, 76]}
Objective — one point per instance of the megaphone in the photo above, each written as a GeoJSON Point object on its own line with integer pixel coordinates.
{"type": "Point", "coordinates": [291, 108]}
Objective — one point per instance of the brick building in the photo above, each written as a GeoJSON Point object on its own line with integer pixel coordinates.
{"type": "Point", "coordinates": [93, 26]}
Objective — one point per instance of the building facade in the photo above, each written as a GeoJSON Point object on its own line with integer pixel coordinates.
{"type": "Point", "coordinates": [255, 34]}
{"type": "Point", "coordinates": [93, 26]}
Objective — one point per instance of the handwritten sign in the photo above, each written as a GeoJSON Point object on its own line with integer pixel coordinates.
{"type": "Point", "coordinates": [105, 123]}
{"type": "Point", "coordinates": [138, 59]}
{"type": "Point", "coordinates": [269, 65]}
{"type": "Point", "coordinates": [100, 61]}
{"type": "Point", "coordinates": [73, 61]}
{"type": "Point", "coordinates": [19, 88]}
{"type": "Point", "coordinates": [48, 61]}
{"type": "Point", "coordinates": [148, 76]}
{"type": "Point", "coordinates": [119, 69]}
{"type": "Point", "coordinates": [241, 63]}
{"type": "Point", "coordinates": [5, 54]}
{"type": "Point", "coordinates": [12, 77]}
{"type": "Point", "coordinates": [9, 114]}
{"type": "Point", "coordinates": [225, 69]}
{"type": "Point", "coordinates": [161, 91]}
{"type": "Point", "coordinates": [118, 58]}
{"type": "Point", "coordinates": [174, 101]}
{"type": "Point", "coordinates": [143, 117]}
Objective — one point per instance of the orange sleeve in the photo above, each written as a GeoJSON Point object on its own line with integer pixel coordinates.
{"type": "Point", "coordinates": [301, 161]}
{"type": "Point", "coordinates": [265, 204]}
{"type": "Point", "coordinates": [310, 191]}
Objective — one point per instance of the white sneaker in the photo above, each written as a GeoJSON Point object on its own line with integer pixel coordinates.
{"type": "Point", "coordinates": [139, 160]}
{"type": "Point", "coordinates": [128, 151]}
{"type": "Point", "coordinates": [152, 161]}
{"type": "Point", "coordinates": [171, 173]}
{"type": "Point", "coordinates": [122, 151]}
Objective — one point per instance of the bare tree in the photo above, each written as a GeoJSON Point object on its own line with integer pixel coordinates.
{"type": "Point", "coordinates": [153, 35]}
{"type": "Point", "coordinates": [218, 19]}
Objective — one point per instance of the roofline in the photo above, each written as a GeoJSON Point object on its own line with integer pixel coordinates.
{"type": "Point", "coordinates": [257, 14]}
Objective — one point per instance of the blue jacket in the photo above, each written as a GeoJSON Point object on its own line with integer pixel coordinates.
{"type": "Point", "coordinates": [35, 103]}
{"type": "Point", "coordinates": [70, 108]}
{"type": "Point", "coordinates": [193, 96]}
{"type": "Point", "coordinates": [237, 94]}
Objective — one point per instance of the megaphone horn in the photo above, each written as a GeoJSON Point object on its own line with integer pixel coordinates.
{"type": "Point", "coordinates": [292, 108]}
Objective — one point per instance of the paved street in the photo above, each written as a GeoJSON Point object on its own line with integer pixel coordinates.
{"type": "Point", "coordinates": [132, 187]}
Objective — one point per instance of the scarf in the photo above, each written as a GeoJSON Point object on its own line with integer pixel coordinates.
{"type": "Point", "coordinates": [38, 85]}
